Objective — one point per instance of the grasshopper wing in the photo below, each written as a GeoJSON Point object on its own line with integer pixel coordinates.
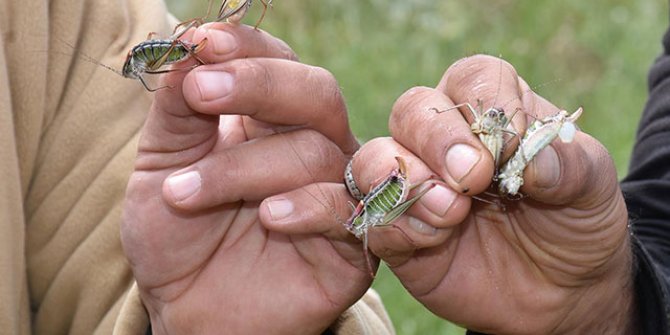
{"type": "Point", "coordinates": [403, 207]}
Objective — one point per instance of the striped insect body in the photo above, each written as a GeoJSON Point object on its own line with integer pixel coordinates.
{"type": "Point", "coordinates": [152, 54]}
{"type": "Point", "coordinates": [374, 207]}
{"type": "Point", "coordinates": [384, 203]}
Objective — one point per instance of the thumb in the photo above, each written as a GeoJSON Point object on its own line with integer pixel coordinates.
{"type": "Point", "coordinates": [580, 174]}
{"type": "Point", "coordinates": [172, 127]}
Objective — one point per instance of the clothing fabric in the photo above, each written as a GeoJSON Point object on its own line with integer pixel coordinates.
{"type": "Point", "coordinates": [68, 136]}
{"type": "Point", "coordinates": [647, 193]}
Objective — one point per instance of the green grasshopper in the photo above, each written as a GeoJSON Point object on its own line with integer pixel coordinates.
{"type": "Point", "coordinates": [150, 55]}
{"type": "Point", "coordinates": [383, 204]}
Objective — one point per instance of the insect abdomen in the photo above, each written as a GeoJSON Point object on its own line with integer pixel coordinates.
{"type": "Point", "coordinates": [150, 52]}
{"type": "Point", "coordinates": [386, 197]}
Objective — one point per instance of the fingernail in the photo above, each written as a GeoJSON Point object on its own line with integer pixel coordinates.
{"type": "Point", "coordinates": [280, 209]}
{"type": "Point", "coordinates": [222, 41]}
{"type": "Point", "coordinates": [184, 185]}
{"type": "Point", "coordinates": [214, 85]}
{"type": "Point", "coordinates": [421, 226]}
{"type": "Point", "coordinates": [460, 160]}
{"type": "Point", "coordinates": [438, 200]}
{"type": "Point", "coordinates": [546, 168]}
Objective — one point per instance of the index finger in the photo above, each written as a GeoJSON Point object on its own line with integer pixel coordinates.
{"type": "Point", "coordinates": [172, 125]}
{"type": "Point", "coordinates": [276, 91]}
{"type": "Point", "coordinates": [483, 83]}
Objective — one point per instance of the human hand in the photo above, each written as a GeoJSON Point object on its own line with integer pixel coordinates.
{"type": "Point", "coordinates": [208, 154]}
{"type": "Point", "coordinates": [557, 261]}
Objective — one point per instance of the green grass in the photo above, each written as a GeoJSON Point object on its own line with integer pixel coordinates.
{"type": "Point", "coordinates": [599, 51]}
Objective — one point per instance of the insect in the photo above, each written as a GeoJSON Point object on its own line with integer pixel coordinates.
{"type": "Point", "coordinates": [150, 55]}
{"type": "Point", "coordinates": [383, 204]}
{"type": "Point", "coordinates": [490, 125]}
{"type": "Point", "coordinates": [234, 10]}
{"type": "Point", "coordinates": [540, 134]}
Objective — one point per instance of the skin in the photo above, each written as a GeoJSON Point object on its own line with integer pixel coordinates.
{"type": "Point", "coordinates": [555, 262]}
{"type": "Point", "coordinates": [208, 154]}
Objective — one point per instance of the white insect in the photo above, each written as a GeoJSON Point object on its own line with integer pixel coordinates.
{"type": "Point", "coordinates": [540, 134]}
{"type": "Point", "coordinates": [490, 126]}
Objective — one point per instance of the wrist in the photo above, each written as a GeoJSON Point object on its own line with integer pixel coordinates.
{"type": "Point", "coordinates": [608, 306]}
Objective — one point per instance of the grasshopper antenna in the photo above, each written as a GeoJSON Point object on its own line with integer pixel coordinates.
{"type": "Point", "coordinates": [83, 56]}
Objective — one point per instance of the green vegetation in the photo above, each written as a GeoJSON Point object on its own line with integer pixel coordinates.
{"type": "Point", "coordinates": [593, 54]}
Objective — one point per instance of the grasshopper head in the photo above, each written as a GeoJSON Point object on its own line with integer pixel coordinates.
{"type": "Point", "coordinates": [492, 119]}
{"type": "Point", "coordinates": [129, 69]}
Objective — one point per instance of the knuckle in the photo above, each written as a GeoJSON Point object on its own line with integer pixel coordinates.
{"type": "Point", "coordinates": [415, 109]}
{"type": "Point", "coordinates": [410, 98]}
{"type": "Point", "coordinates": [326, 92]}
{"type": "Point", "coordinates": [326, 82]}
{"type": "Point", "coordinates": [375, 147]}
{"type": "Point", "coordinates": [258, 74]}
{"type": "Point", "coordinates": [319, 151]}
{"type": "Point", "coordinates": [480, 74]}
{"type": "Point", "coordinates": [227, 168]}
{"type": "Point", "coordinates": [285, 51]}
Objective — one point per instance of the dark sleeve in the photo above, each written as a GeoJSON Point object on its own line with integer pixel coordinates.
{"type": "Point", "coordinates": [647, 193]}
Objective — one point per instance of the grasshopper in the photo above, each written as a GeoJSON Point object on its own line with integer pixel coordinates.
{"type": "Point", "coordinates": [382, 205]}
{"type": "Point", "coordinates": [150, 55]}
{"type": "Point", "coordinates": [540, 134]}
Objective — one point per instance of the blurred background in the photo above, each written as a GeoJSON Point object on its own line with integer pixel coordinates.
{"type": "Point", "coordinates": [593, 54]}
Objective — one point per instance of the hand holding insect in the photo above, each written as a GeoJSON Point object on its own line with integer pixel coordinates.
{"type": "Point", "coordinates": [208, 155]}
{"type": "Point", "coordinates": [556, 261]}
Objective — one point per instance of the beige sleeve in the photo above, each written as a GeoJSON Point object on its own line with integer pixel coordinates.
{"type": "Point", "coordinates": [69, 129]}
{"type": "Point", "coordinates": [366, 317]}
{"type": "Point", "coordinates": [132, 318]}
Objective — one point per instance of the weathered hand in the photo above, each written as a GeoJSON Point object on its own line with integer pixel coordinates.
{"type": "Point", "coordinates": [557, 261]}
{"type": "Point", "coordinates": [208, 154]}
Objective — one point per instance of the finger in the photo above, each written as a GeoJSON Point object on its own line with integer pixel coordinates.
{"type": "Point", "coordinates": [580, 174]}
{"type": "Point", "coordinates": [422, 121]}
{"type": "Point", "coordinates": [428, 221]}
{"type": "Point", "coordinates": [254, 170]}
{"type": "Point", "coordinates": [231, 130]}
{"type": "Point", "coordinates": [275, 91]}
{"type": "Point", "coordinates": [496, 84]}
{"type": "Point", "coordinates": [223, 42]}
{"type": "Point", "coordinates": [567, 173]}
{"type": "Point", "coordinates": [172, 125]}
{"type": "Point", "coordinates": [320, 208]}
{"type": "Point", "coordinates": [227, 41]}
